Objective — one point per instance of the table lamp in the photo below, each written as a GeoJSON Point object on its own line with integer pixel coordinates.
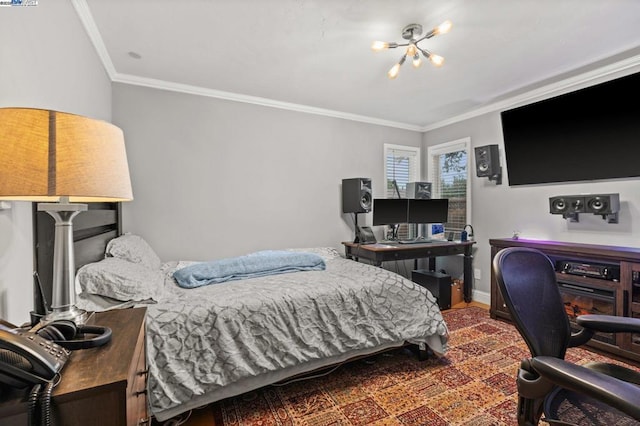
{"type": "Point", "coordinates": [61, 161]}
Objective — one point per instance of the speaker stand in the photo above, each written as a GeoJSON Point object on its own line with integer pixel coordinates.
{"type": "Point", "coordinates": [356, 238]}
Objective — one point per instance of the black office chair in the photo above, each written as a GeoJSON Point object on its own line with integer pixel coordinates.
{"type": "Point", "coordinates": [567, 394]}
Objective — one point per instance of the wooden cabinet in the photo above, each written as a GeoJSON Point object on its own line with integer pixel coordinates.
{"type": "Point", "coordinates": [100, 386]}
{"type": "Point", "coordinates": [611, 296]}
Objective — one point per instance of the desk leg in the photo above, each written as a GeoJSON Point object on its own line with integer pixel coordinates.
{"type": "Point", "coordinates": [468, 274]}
{"type": "Point", "coordinates": [432, 263]}
{"type": "Point", "coordinates": [349, 255]}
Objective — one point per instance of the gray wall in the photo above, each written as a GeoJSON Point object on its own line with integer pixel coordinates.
{"type": "Point", "coordinates": [499, 210]}
{"type": "Point", "coordinates": [47, 62]}
{"type": "Point", "coordinates": [215, 178]}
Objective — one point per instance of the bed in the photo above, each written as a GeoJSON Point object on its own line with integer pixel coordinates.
{"type": "Point", "coordinates": [208, 343]}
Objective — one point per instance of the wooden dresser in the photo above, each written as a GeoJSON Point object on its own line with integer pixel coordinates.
{"type": "Point", "coordinates": [100, 386]}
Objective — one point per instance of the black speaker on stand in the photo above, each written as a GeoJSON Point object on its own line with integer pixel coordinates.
{"type": "Point", "coordinates": [356, 195]}
{"type": "Point", "coordinates": [419, 190]}
{"type": "Point", "coordinates": [357, 198]}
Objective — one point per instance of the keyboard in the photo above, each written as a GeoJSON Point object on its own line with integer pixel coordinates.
{"type": "Point", "coordinates": [414, 241]}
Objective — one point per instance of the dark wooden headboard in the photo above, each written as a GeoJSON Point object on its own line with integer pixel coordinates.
{"type": "Point", "coordinates": [92, 230]}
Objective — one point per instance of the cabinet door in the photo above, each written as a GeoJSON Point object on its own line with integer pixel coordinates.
{"type": "Point", "coordinates": [630, 279]}
{"type": "Point", "coordinates": [498, 307]}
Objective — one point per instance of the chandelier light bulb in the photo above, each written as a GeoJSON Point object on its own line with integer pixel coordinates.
{"type": "Point", "coordinates": [436, 60]}
{"type": "Point", "coordinates": [416, 60]}
{"type": "Point", "coordinates": [411, 50]}
{"type": "Point", "coordinates": [377, 46]}
{"type": "Point", "coordinates": [443, 28]}
{"type": "Point", "coordinates": [393, 72]}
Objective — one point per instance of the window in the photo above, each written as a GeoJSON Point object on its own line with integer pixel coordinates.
{"type": "Point", "coordinates": [401, 166]}
{"type": "Point", "coordinates": [449, 173]}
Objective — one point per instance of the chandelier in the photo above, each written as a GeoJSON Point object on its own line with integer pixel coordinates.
{"type": "Point", "coordinates": [412, 33]}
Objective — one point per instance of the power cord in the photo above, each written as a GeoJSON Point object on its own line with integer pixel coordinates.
{"type": "Point", "coordinates": [179, 419]}
{"type": "Point", "coordinates": [303, 378]}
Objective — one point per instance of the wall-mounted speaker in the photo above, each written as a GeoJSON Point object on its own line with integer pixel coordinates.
{"type": "Point", "coordinates": [356, 195]}
{"type": "Point", "coordinates": [566, 204]}
{"type": "Point", "coordinates": [488, 163]}
{"type": "Point", "coordinates": [419, 190]}
{"type": "Point", "coordinates": [570, 206]}
{"type": "Point", "coordinates": [602, 203]}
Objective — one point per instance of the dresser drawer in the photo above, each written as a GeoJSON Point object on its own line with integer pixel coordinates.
{"type": "Point", "coordinates": [137, 413]}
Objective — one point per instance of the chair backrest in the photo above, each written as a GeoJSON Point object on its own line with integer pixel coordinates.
{"type": "Point", "coordinates": [527, 280]}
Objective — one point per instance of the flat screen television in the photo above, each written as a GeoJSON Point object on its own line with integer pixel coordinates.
{"type": "Point", "coordinates": [389, 211]}
{"type": "Point", "coordinates": [435, 210]}
{"type": "Point", "coordinates": [590, 134]}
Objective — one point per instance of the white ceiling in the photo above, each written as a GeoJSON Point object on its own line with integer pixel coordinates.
{"type": "Point", "coordinates": [315, 56]}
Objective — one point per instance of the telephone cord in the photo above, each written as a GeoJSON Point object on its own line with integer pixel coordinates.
{"type": "Point", "coordinates": [33, 402]}
{"type": "Point", "coordinates": [45, 407]}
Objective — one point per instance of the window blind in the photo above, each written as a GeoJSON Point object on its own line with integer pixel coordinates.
{"type": "Point", "coordinates": [402, 165]}
{"type": "Point", "coordinates": [449, 174]}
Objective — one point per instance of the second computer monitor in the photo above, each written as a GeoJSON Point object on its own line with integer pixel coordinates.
{"type": "Point", "coordinates": [389, 211]}
{"type": "Point", "coordinates": [435, 210]}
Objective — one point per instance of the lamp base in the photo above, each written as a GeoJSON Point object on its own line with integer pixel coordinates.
{"type": "Point", "coordinates": [63, 306]}
{"type": "Point", "coordinates": [77, 315]}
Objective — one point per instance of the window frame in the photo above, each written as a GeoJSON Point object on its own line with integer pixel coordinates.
{"type": "Point", "coordinates": [463, 144]}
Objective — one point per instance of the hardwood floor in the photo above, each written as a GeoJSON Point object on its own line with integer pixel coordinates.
{"type": "Point", "coordinates": [204, 416]}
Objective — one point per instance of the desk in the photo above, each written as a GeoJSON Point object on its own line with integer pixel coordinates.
{"type": "Point", "coordinates": [381, 252]}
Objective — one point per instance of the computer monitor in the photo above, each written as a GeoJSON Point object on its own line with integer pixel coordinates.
{"type": "Point", "coordinates": [390, 211]}
{"type": "Point", "coordinates": [435, 210]}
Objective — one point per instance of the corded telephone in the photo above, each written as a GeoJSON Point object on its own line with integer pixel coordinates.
{"type": "Point", "coordinates": [27, 359]}
{"type": "Point", "coordinates": [364, 235]}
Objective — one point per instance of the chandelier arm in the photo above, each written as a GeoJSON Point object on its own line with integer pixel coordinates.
{"type": "Point", "coordinates": [426, 36]}
{"type": "Point", "coordinates": [393, 45]}
{"type": "Point", "coordinates": [425, 52]}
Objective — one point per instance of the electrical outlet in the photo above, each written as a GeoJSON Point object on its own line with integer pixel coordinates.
{"type": "Point", "coordinates": [477, 274]}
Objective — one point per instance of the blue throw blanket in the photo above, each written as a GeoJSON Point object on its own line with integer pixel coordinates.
{"type": "Point", "coordinates": [268, 262]}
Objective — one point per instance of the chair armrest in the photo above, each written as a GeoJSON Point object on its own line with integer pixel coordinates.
{"type": "Point", "coordinates": [616, 393]}
{"type": "Point", "coordinates": [609, 323]}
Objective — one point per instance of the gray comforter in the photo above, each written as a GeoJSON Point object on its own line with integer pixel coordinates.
{"type": "Point", "coordinates": [212, 342]}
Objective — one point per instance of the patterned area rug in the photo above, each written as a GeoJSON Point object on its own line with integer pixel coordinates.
{"type": "Point", "coordinates": [474, 384]}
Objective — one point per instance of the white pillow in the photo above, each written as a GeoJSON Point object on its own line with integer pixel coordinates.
{"type": "Point", "coordinates": [121, 280]}
{"type": "Point", "coordinates": [134, 249]}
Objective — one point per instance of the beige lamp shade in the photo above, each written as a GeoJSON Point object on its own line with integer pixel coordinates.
{"type": "Point", "coordinates": [46, 155]}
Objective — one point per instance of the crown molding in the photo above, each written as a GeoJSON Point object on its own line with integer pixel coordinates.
{"type": "Point", "coordinates": [237, 97]}
{"type": "Point", "coordinates": [82, 9]}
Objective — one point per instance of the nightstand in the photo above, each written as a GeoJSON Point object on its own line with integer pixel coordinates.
{"type": "Point", "coordinates": [106, 385]}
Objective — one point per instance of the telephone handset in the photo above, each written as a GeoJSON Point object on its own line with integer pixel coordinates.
{"type": "Point", "coordinates": [27, 359]}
